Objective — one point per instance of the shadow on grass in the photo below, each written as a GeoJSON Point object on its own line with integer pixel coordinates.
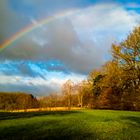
{"type": "Point", "coordinates": [16, 115]}
{"type": "Point", "coordinates": [133, 120]}
{"type": "Point", "coordinates": [56, 128]}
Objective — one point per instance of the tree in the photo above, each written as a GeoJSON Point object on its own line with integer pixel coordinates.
{"type": "Point", "coordinates": [67, 92]}
{"type": "Point", "coordinates": [127, 54]}
{"type": "Point", "coordinates": [116, 85]}
{"type": "Point", "coordinates": [80, 92]}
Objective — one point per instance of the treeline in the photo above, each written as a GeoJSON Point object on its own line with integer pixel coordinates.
{"type": "Point", "coordinates": [58, 100]}
{"type": "Point", "coordinates": [17, 101]}
{"type": "Point", "coordinates": [116, 85]}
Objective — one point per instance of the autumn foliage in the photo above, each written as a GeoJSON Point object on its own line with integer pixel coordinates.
{"type": "Point", "coordinates": [17, 101]}
{"type": "Point", "coordinates": [116, 85]}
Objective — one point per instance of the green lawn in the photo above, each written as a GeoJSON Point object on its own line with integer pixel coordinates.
{"type": "Point", "coordinates": [79, 125]}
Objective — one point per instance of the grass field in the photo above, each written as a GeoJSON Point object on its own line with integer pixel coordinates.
{"type": "Point", "coordinates": [79, 125]}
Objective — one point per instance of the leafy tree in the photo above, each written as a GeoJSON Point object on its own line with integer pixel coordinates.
{"type": "Point", "coordinates": [67, 92]}
{"type": "Point", "coordinates": [127, 54]}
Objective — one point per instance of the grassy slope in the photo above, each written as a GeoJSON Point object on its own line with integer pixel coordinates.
{"type": "Point", "coordinates": [85, 124]}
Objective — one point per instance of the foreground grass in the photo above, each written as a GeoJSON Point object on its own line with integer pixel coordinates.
{"type": "Point", "coordinates": [82, 124]}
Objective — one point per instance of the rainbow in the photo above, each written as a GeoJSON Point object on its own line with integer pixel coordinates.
{"type": "Point", "coordinates": [34, 26]}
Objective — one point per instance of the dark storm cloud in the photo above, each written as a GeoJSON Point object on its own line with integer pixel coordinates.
{"type": "Point", "coordinates": [63, 44]}
{"type": "Point", "coordinates": [10, 21]}
{"type": "Point", "coordinates": [74, 41]}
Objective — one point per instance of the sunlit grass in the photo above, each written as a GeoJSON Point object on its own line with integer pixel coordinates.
{"type": "Point", "coordinates": [82, 124]}
{"type": "Point", "coordinates": [45, 109]}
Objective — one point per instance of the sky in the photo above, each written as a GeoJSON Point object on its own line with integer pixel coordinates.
{"type": "Point", "coordinates": [75, 41]}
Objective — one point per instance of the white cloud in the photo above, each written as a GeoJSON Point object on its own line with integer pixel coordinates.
{"type": "Point", "coordinates": [53, 82]}
{"type": "Point", "coordinates": [57, 78]}
{"type": "Point", "coordinates": [105, 18]}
